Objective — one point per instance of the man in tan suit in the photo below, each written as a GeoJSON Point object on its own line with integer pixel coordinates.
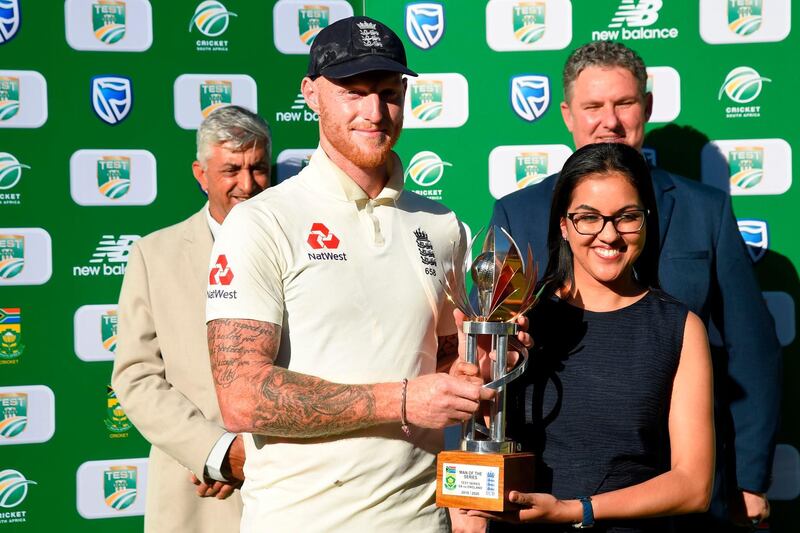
{"type": "Point", "coordinates": [161, 372]}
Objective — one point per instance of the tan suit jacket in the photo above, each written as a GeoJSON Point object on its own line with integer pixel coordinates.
{"type": "Point", "coordinates": [162, 375]}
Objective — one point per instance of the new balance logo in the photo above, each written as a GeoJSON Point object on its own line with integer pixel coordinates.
{"type": "Point", "coordinates": [321, 237]}
{"type": "Point", "coordinates": [111, 250]}
{"type": "Point", "coordinates": [636, 14]}
{"type": "Point", "coordinates": [220, 273]}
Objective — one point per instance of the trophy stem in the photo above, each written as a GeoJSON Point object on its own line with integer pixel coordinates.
{"type": "Point", "coordinates": [471, 356]}
{"type": "Point", "coordinates": [500, 343]}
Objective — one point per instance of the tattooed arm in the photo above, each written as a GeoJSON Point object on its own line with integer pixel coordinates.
{"type": "Point", "coordinates": [257, 396]}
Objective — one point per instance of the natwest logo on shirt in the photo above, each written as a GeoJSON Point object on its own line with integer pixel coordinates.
{"type": "Point", "coordinates": [220, 273]}
{"type": "Point", "coordinates": [319, 238]}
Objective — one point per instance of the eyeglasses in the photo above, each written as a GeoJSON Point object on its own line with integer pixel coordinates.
{"type": "Point", "coordinates": [594, 223]}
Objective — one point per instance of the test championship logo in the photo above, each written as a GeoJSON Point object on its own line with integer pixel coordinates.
{"type": "Point", "coordinates": [10, 175]}
{"type": "Point", "coordinates": [9, 97]}
{"type": "Point", "coordinates": [12, 255]}
{"type": "Point", "coordinates": [425, 24]}
{"type": "Point", "coordinates": [13, 491]}
{"type": "Point", "coordinates": [13, 418]}
{"type": "Point", "coordinates": [116, 420]}
{"type": "Point", "coordinates": [311, 20]}
{"type": "Point", "coordinates": [113, 176]}
{"type": "Point", "coordinates": [112, 98]}
{"type": "Point", "coordinates": [215, 94]}
{"type": "Point", "coordinates": [119, 486]}
{"type": "Point", "coordinates": [746, 166]}
{"type": "Point", "coordinates": [426, 169]}
{"type": "Point", "coordinates": [529, 21]}
{"type": "Point", "coordinates": [744, 16]}
{"type": "Point", "coordinates": [108, 20]}
{"type": "Point", "coordinates": [426, 99]}
{"type": "Point", "coordinates": [755, 234]}
{"type": "Point", "coordinates": [530, 96]}
{"type": "Point", "coordinates": [108, 330]}
{"type": "Point", "coordinates": [531, 168]}
{"type": "Point", "coordinates": [11, 346]}
{"type": "Point", "coordinates": [9, 20]}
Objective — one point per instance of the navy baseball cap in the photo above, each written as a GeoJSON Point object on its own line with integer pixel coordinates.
{"type": "Point", "coordinates": [356, 45]}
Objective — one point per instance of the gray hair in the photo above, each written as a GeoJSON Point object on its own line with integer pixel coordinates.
{"type": "Point", "coordinates": [603, 54]}
{"type": "Point", "coordinates": [235, 127]}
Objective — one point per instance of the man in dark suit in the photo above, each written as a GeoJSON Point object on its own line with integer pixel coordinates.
{"type": "Point", "coordinates": [703, 263]}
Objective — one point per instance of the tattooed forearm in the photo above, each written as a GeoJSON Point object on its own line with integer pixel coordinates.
{"type": "Point", "coordinates": [257, 396]}
{"type": "Point", "coordinates": [447, 353]}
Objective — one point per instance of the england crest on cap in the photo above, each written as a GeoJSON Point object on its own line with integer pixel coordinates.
{"type": "Point", "coordinates": [112, 98]}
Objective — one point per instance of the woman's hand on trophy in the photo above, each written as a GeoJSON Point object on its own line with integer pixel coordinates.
{"type": "Point", "coordinates": [537, 507]}
{"type": "Point", "coordinates": [441, 400]}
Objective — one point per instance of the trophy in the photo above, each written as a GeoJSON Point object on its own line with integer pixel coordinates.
{"type": "Point", "coordinates": [488, 466]}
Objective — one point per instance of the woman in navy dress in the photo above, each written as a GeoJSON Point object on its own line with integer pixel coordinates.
{"type": "Point", "coordinates": [617, 399]}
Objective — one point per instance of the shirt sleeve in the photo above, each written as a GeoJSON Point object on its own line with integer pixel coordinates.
{"type": "Point", "coordinates": [245, 277]}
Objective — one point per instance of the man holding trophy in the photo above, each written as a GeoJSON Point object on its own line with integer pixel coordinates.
{"type": "Point", "coordinates": [332, 323]}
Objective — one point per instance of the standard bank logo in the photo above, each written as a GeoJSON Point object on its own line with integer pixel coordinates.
{"type": "Point", "coordinates": [11, 346]}
{"type": "Point", "coordinates": [111, 489]}
{"type": "Point", "coordinates": [748, 167]}
{"type": "Point", "coordinates": [27, 414]}
{"type": "Point", "coordinates": [425, 23]}
{"type": "Point", "coordinates": [632, 21]}
{"type": "Point", "coordinates": [755, 234]}
{"type": "Point", "coordinates": [199, 95]}
{"type": "Point", "coordinates": [785, 474]}
{"type": "Point", "coordinates": [10, 175]}
{"type": "Point", "coordinates": [512, 168]}
{"type": "Point", "coordinates": [437, 101]}
{"type": "Point", "coordinates": [112, 98]}
{"type": "Point", "coordinates": [13, 488]}
{"type": "Point", "coordinates": [665, 84]}
{"type": "Point", "coordinates": [109, 25]}
{"type": "Point", "coordinates": [25, 256]}
{"type": "Point", "coordinates": [291, 161]}
{"type": "Point", "coordinates": [528, 25]}
{"type": "Point", "coordinates": [425, 170]}
{"type": "Point", "coordinates": [113, 177]}
{"type": "Point", "coordinates": [744, 21]}
{"type": "Point", "coordinates": [10, 18]}
{"type": "Point", "coordinates": [530, 96]}
{"type": "Point", "coordinates": [296, 23]}
{"type": "Point", "coordinates": [23, 99]}
{"type": "Point", "coordinates": [95, 332]}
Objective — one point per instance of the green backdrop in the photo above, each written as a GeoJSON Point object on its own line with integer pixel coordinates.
{"type": "Point", "coordinates": [465, 142]}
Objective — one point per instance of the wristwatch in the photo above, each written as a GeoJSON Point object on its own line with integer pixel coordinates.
{"type": "Point", "coordinates": [588, 514]}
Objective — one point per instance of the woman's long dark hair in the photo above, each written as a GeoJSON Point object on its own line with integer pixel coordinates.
{"type": "Point", "coordinates": [601, 158]}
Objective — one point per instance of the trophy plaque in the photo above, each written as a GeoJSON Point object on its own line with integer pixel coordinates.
{"type": "Point", "coordinates": [489, 466]}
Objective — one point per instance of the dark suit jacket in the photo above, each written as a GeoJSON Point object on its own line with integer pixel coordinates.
{"type": "Point", "coordinates": [705, 265]}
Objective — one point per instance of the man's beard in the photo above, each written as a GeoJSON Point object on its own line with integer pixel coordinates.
{"type": "Point", "coordinates": [372, 157]}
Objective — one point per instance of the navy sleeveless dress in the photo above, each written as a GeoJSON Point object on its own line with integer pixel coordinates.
{"type": "Point", "coordinates": [594, 401]}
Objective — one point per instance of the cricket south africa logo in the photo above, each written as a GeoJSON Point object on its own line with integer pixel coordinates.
{"type": "Point", "coordinates": [756, 236]}
{"type": "Point", "coordinates": [311, 20]}
{"type": "Point", "coordinates": [12, 255]}
{"type": "Point", "coordinates": [9, 97]}
{"type": "Point", "coordinates": [426, 99]}
{"type": "Point", "coordinates": [9, 20]}
{"type": "Point", "coordinates": [11, 346]}
{"type": "Point", "coordinates": [113, 176]}
{"type": "Point", "coordinates": [425, 24]}
{"type": "Point", "coordinates": [744, 16]}
{"type": "Point", "coordinates": [13, 488]}
{"type": "Point", "coordinates": [742, 85]}
{"type": "Point", "coordinates": [215, 94]}
{"type": "Point", "coordinates": [10, 175]}
{"type": "Point", "coordinates": [530, 96]}
{"type": "Point", "coordinates": [529, 21]}
{"type": "Point", "coordinates": [746, 166]}
{"type": "Point", "coordinates": [112, 98]}
{"type": "Point", "coordinates": [211, 18]}
{"type": "Point", "coordinates": [119, 486]}
{"type": "Point", "coordinates": [220, 273]}
{"type": "Point", "coordinates": [108, 20]}
{"type": "Point", "coordinates": [531, 168]}
{"type": "Point", "coordinates": [13, 414]}
{"type": "Point", "coordinates": [426, 168]}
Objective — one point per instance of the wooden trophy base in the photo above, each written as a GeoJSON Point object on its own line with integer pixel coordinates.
{"type": "Point", "coordinates": [482, 481]}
